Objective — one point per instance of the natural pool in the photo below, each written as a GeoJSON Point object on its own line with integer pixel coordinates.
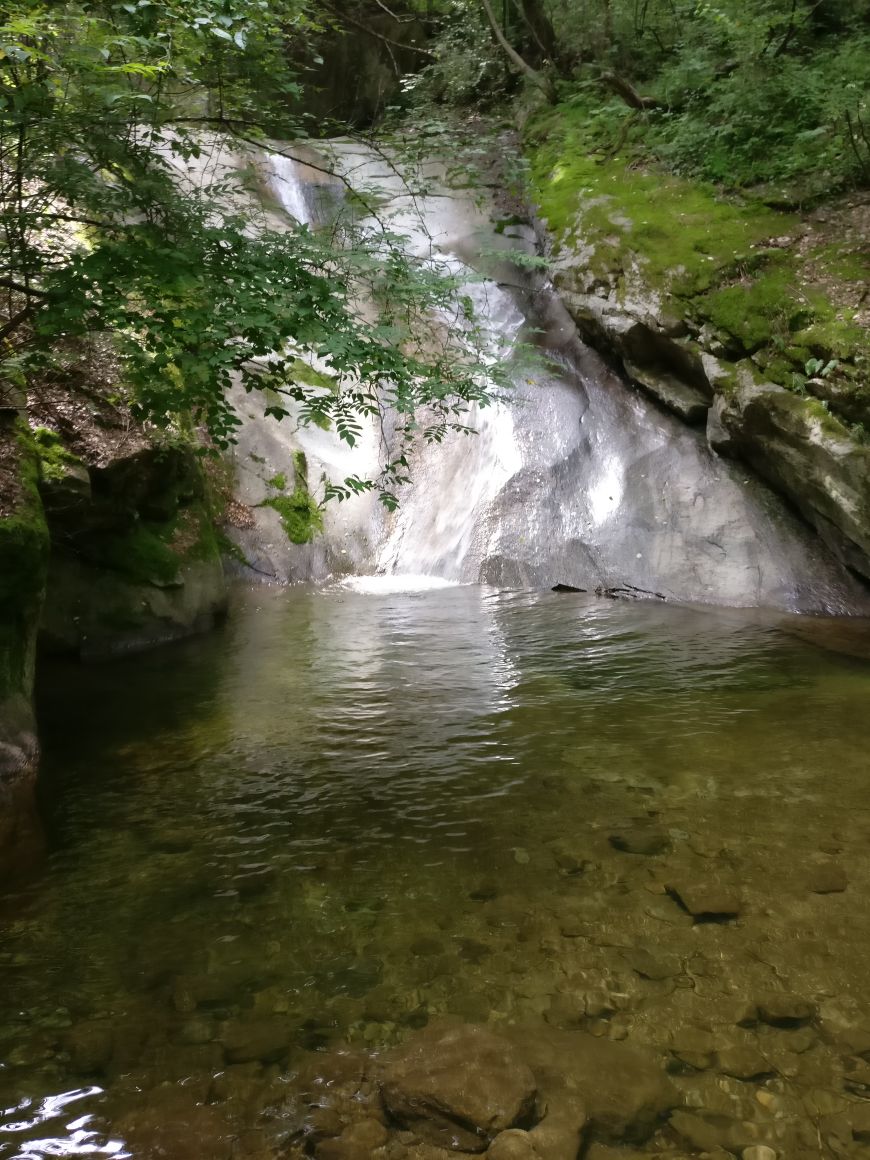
{"type": "Point", "coordinates": [347, 814]}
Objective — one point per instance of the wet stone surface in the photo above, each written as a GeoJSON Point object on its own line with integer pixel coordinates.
{"type": "Point", "coordinates": [388, 878]}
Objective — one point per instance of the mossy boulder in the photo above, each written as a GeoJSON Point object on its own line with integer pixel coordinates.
{"type": "Point", "coordinates": [809, 456]}
{"type": "Point", "coordinates": [135, 559]}
{"type": "Point", "coordinates": [722, 309]}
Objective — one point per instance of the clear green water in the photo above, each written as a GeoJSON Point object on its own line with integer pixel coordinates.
{"type": "Point", "coordinates": [346, 814]}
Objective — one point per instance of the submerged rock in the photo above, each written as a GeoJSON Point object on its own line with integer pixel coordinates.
{"type": "Point", "coordinates": [782, 1010]}
{"type": "Point", "coordinates": [828, 878]}
{"type": "Point", "coordinates": [622, 1092]}
{"type": "Point", "coordinates": [90, 1046]}
{"type": "Point", "coordinates": [707, 901]}
{"type": "Point", "coordinates": [640, 840]}
{"type": "Point", "coordinates": [457, 1085]}
{"type": "Point", "coordinates": [513, 1144]}
{"type": "Point", "coordinates": [264, 1039]}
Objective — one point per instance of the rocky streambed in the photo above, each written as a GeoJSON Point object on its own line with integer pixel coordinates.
{"type": "Point", "coordinates": [523, 873]}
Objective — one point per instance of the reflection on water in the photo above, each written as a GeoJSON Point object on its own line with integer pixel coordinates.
{"type": "Point", "coordinates": [351, 812]}
{"type": "Point", "coordinates": [76, 1136]}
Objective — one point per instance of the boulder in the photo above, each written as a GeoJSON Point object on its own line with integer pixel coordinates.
{"type": "Point", "coordinates": [264, 1039]}
{"type": "Point", "coordinates": [808, 456]}
{"type": "Point", "coordinates": [514, 1144]}
{"type": "Point", "coordinates": [621, 1092]}
{"type": "Point", "coordinates": [707, 901]}
{"type": "Point", "coordinates": [457, 1085]}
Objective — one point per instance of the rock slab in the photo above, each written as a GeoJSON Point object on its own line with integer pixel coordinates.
{"type": "Point", "coordinates": [457, 1086]}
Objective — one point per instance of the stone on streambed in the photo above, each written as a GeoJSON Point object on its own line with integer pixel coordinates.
{"type": "Point", "coordinates": [356, 1142]}
{"type": "Point", "coordinates": [568, 859]}
{"type": "Point", "coordinates": [859, 1122]}
{"type": "Point", "coordinates": [652, 967]}
{"type": "Point", "coordinates": [457, 1085]}
{"type": "Point", "coordinates": [264, 1039]}
{"type": "Point", "coordinates": [90, 1046]}
{"type": "Point", "coordinates": [743, 1062]}
{"type": "Point", "coordinates": [710, 901]}
{"type": "Point", "coordinates": [640, 839]}
{"type": "Point", "coordinates": [827, 878]}
{"type": "Point", "coordinates": [621, 1092]}
{"type": "Point", "coordinates": [782, 1010]}
{"type": "Point", "coordinates": [512, 1144]}
{"type": "Point", "coordinates": [169, 1123]}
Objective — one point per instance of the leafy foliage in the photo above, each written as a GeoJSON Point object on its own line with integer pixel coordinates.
{"type": "Point", "coordinates": [105, 106]}
{"type": "Point", "coordinates": [743, 92]}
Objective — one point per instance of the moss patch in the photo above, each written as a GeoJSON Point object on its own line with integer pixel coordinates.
{"type": "Point", "coordinates": [54, 458]}
{"type": "Point", "coordinates": [759, 308]}
{"type": "Point", "coordinates": [684, 235]}
{"type": "Point", "coordinates": [142, 555]}
{"type": "Point", "coordinates": [152, 552]}
{"type": "Point", "coordinates": [767, 283]}
{"type": "Point", "coordinates": [301, 516]}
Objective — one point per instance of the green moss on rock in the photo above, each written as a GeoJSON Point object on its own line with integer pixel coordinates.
{"type": "Point", "coordinates": [54, 458]}
{"type": "Point", "coordinates": [685, 251]}
{"type": "Point", "coordinates": [759, 310]}
{"type": "Point", "coordinates": [301, 516]}
{"type": "Point", "coordinates": [683, 234]}
{"type": "Point", "coordinates": [141, 554]}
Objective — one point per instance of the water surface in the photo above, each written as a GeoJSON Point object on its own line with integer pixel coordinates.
{"type": "Point", "coordinates": [350, 812]}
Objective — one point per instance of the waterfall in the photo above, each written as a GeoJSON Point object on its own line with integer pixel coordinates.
{"type": "Point", "coordinates": [577, 480]}
{"type": "Point", "coordinates": [287, 183]}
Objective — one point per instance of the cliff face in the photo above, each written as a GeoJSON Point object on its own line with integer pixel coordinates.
{"type": "Point", "coordinates": [135, 559]}
{"type": "Point", "coordinates": [745, 321]}
{"type": "Point", "coordinates": [24, 557]}
{"type": "Point", "coordinates": [107, 544]}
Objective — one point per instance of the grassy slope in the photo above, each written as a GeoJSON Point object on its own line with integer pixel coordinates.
{"type": "Point", "coordinates": [767, 283]}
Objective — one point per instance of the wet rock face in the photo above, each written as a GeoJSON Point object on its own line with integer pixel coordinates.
{"type": "Point", "coordinates": [792, 442]}
{"type": "Point", "coordinates": [458, 1086]}
{"type": "Point", "coordinates": [807, 455]}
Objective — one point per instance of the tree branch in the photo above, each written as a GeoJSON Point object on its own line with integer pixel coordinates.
{"type": "Point", "coordinates": [514, 57]}
{"type": "Point", "coordinates": [15, 321]}
{"type": "Point", "coordinates": [343, 16]}
{"type": "Point", "coordinates": [629, 93]}
{"type": "Point", "coordinates": [20, 288]}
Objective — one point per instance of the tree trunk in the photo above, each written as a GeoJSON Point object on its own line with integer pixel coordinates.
{"type": "Point", "coordinates": [520, 64]}
{"type": "Point", "coordinates": [544, 46]}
